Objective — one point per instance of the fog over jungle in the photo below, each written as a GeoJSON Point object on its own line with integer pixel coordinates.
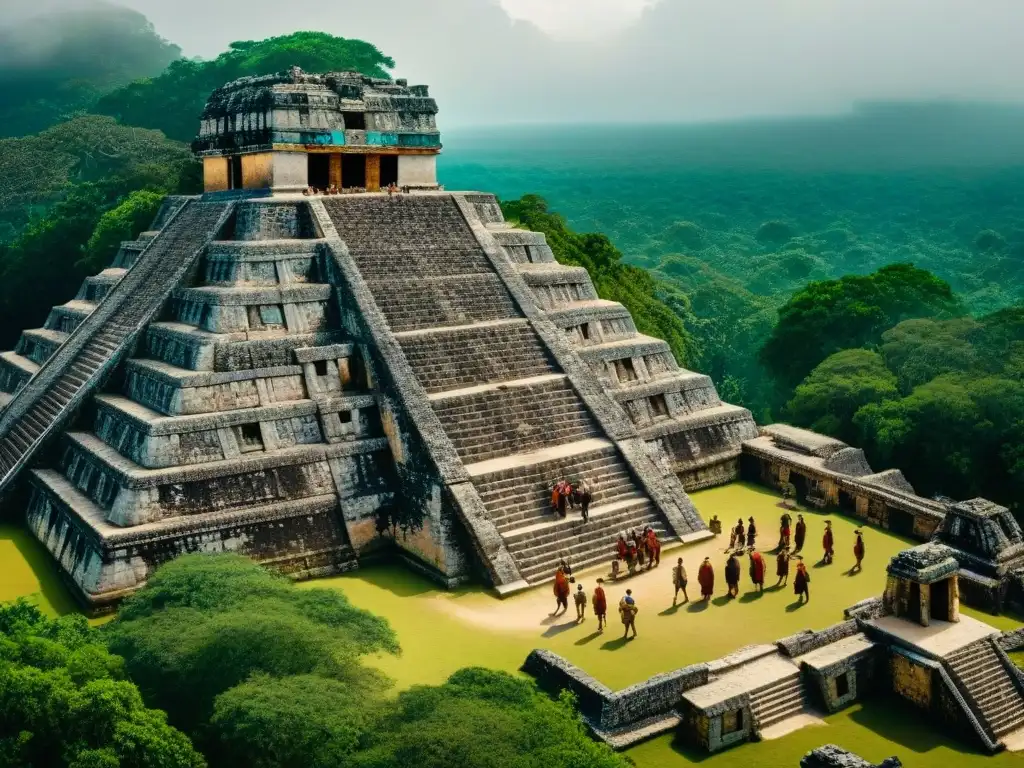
{"type": "Point", "coordinates": [501, 61]}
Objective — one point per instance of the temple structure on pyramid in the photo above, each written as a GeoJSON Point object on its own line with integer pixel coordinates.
{"type": "Point", "coordinates": [314, 379]}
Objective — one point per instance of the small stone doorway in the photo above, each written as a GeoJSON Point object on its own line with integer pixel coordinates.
{"type": "Point", "coordinates": [319, 172]}
{"type": "Point", "coordinates": [353, 171]}
{"type": "Point", "coordinates": [388, 170]}
{"type": "Point", "coordinates": [939, 601]}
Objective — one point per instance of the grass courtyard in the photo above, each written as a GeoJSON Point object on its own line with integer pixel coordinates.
{"type": "Point", "coordinates": [441, 632]}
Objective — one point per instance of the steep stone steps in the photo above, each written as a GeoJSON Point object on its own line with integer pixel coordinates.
{"type": "Point", "coordinates": [428, 263]}
{"type": "Point", "coordinates": [515, 418]}
{"type": "Point", "coordinates": [39, 410]}
{"type": "Point", "coordinates": [999, 703]}
{"type": "Point", "coordinates": [67, 317]}
{"type": "Point", "coordinates": [15, 370]}
{"type": "Point", "coordinates": [96, 287]}
{"type": "Point", "coordinates": [521, 495]}
{"type": "Point", "coordinates": [474, 355]}
{"type": "Point", "coordinates": [436, 302]}
{"type": "Point", "coordinates": [779, 701]}
{"type": "Point", "coordinates": [370, 224]}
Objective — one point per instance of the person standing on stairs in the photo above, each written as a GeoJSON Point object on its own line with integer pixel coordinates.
{"type": "Point", "coordinates": [585, 498]}
{"type": "Point", "coordinates": [679, 582]}
{"type": "Point", "coordinates": [628, 611]}
{"type": "Point", "coordinates": [801, 582]}
{"type": "Point", "coordinates": [580, 599]}
{"type": "Point", "coordinates": [600, 605]}
{"type": "Point", "coordinates": [561, 592]}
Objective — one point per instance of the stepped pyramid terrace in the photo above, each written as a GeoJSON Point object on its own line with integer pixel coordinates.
{"type": "Point", "coordinates": [310, 379]}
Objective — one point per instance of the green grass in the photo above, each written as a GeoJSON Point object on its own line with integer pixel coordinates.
{"type": "Point", "coordinates": [442, 631]}
{"type": "Point", "coordinates": [27, 570]}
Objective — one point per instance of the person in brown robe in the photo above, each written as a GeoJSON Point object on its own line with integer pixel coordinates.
{"type": "Point", "coordinates": [828, 543]}
{"type": "Point", "coordinates": [782, 568]}
{"type": "Point", "coordinates": [799, 534]}
{"type": "Point", "coordinates": [801, 582]}
{"type": "Point", "coordinates": [561, 589]}
{"type": "Point", "coordinates": [858, 550]}
{"type": "Point", "coordinates": [741, 535]}
{"type": "Point", "coordinates": [600, 605]}
{"type": "Point", "coordinates": [757, 570]}
{"type": "Point", "coordinates": [706, 579]}
{"type": "Point", "coordinates": [653, 549]}
{"type": "Point", "coordinates": [732, 575]}
{"type": "Point", "coordinates": [751, 533]}
{"type": "Point", "coordinates": [628, 611]}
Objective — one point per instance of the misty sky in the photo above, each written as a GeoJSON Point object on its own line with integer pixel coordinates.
{"type": "Point", "coordinates": [499, 61]}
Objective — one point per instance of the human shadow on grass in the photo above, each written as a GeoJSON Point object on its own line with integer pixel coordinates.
{"type": "Point", "coordinates": [749, 597]}
{"type": "Point", "coordinates": [796, 606]}
{"type": "Point", "coordinates": [853, 571]}
{"type": "Point", "coordinates": [557, 629]}
{"type": "Point", "coordinates": [821, 564]}
{"type": "Point", "coordinates": [672, 609]}
{"type": "Point", "coordinates": [697, 607]}
{"type": "Point", "coordinates": [552, 618]}
{"type": "Point", "coordinates": [589, 638]}
{"type": "Point", "coordinates": [614, 645]}
{"type": "Point", "coordinates": [723, 600]}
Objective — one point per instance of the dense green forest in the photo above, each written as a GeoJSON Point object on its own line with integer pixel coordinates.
{"type": "Point", "coordinates": [220, 662]}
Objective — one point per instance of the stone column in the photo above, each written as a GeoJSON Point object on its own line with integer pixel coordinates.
{"type": "Point", "coordinates": [954, 598]}
{"type": "Point", "coordinates": [926, 595]}
{"type": "Point", "coordinates": [335, 170]}
{"type": "Point", "coordinates": [373, 173]}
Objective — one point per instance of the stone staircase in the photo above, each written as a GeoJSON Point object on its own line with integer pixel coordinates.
{"type": "Point", "coordinates": [44, 404]}
{"type": "Point", "coordinates": [997, 702]}
{"type": "Point", "coordinates": [678, 412]}
{"type": "Point", "coordinates": [512, 415]}
{"type": "Point", "coordinates": [779, 701]}
{"type": "Point", "coordinates": [245, 423]}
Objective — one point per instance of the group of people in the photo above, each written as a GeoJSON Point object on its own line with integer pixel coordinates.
{"type": "Point", "coordinates": [566, 496]}
{"type": "Point", "coordinates": [628, 608]}
{"type": "Point", "coordinates": [394, 192]}
{"type": "Point", "coordinates": [635, 549]}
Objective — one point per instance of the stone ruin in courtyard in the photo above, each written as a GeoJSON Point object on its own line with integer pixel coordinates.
{"type": "Point", "coordinates": [912, 644]}
{"type": "Point", "coordinates": [294, 377]}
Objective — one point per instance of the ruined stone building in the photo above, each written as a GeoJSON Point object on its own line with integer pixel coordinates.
{"type": "Point", "coordinates": [310, 379]}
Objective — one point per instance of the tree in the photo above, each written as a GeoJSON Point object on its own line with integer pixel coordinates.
{"type": "Point", "coordinates": [919, 350]}
{"type": "Point", "coordinates": [306, 720]}
{"type": "Point", "coordinates": [853, 311]}
{"type": "Point", "coordinates": [835, 390]}
{"type": "Point", "coordinates": [124, 222]}
{"type": "Point", "coordinates": [774, 233]}
{"type": "Point", "coordinates": [64, 701]}
{"type": "Point", "coordinates": [483, 719]}
{"type": "Point", "coordinates": [56, 64]}
{"type": "Point", "coordinates": [174, 101]}
{"type": "Point", "coordinates": [204, 624]}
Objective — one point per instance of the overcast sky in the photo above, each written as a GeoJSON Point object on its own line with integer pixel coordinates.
{"type": "Point", "coordinates": [497, 61]}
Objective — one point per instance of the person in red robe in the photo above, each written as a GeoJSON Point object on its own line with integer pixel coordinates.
{"type": "Point", "coordinates": [801, 582]}
{"type": "Point", "coordinates": [621, 548]}
{"type": "Point", "coordinates": [706, 579]}
{"type": "Point", "coordinates": [858, 550]}
{"type": "Point", "coordinates": [600, 602]}
{"type": "Point", "coordinates": [799, 534]}
{"type": "Point", "coordinates": [653, 549]}
{"type": "Point", "coordinates": [757, 570]}
{"type": "Point", "coordinates": [782, 568]}
{"type": "Point", "coordinates": [561, 592]}
{"type": "Point", "coordinates": [828, 543]}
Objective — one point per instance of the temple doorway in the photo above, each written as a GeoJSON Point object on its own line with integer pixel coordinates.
{"type": "Point", "coordinates": [353, 171]}
{"type": "Point", "coordinates": [319, 171]}
{"type": "Point", "coordinates": [388, 170]}
{"type": "Point", "coordinates": [914, 603]}
{"type": "Point", "coordinates": [235, 172]}
{"type": "Point", "coordinates": [939, 601]}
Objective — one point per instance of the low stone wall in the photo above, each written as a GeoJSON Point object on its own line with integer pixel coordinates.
{"type": "Point", "coordinates": [1012, 640]}
{"type": "Point", "coordinates": [809, 640]}
{"type": "Point", "coordinates": [554, 674]}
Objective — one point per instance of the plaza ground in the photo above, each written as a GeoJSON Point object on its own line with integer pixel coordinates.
{"type": "Point", "coordinates": [441, 632]}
